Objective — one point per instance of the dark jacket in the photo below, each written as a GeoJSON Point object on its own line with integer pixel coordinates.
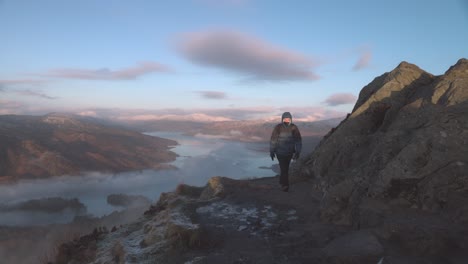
{"type": "Point", "coordinates": [286, 140]}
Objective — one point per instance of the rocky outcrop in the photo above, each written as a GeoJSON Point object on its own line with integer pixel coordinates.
{"type": "Point", "coordinates": [405, 143]}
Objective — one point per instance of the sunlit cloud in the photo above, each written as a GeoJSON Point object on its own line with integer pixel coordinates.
{"type": "Point", "coordinates": [364, 59]}
{"type": "Point", "coordinates": [212, 94]}
{"type": "Point", "coordinates": [266, 113]}
{"type": "Point", "coordinates": [247, 55]}
{"type": "Point", "coordinates": [340, 99]}
{"type": "Point", "coordinates": [130, 73]}
{"type": "Point", "coordinates": [88, 113]}
{"type": "Point", "coordinates": [195, 117]}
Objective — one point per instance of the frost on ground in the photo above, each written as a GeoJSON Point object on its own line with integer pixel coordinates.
{"type": "Point", "coordinates": [250, 218]}
{"type": "Point", "coordinates": [184, 226]}
{"type": "Point", "coordinates": [147, 239]}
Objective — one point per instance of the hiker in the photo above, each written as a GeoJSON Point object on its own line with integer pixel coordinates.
{"type": "Point", "coordinates": [285, 144]}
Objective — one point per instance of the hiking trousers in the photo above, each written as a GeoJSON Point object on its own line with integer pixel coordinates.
{"type": "Point", "coordinates": [284, 161]}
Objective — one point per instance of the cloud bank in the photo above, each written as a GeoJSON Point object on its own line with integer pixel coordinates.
{"type": "Point", "coordinates": [246, 55]}
{"type": "Point", "coordinates": [340, 99]}
{"type": "Point", "coordinates": [130, 73]}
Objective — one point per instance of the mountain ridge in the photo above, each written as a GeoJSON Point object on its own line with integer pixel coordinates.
{"type": "Point", "coordinates": [59, 144]}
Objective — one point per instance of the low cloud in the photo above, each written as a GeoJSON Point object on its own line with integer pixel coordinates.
{"type": "Point", "coordinates": [35, 94]}
{"type": "Point", "coordinates": [340, 99]}
{"type": "Point", "coordinates": [247, 55]}
{"type": "Point", "coordinates": [195, 117]}
{"type": "Point", "coordinates": [364, 60]}
{"type": "Point", "coordinates": [212, 94]}
{"type": "Point", "coordinates": [300, 114]}
{"type": "Point", "coordinates": [130, 73]}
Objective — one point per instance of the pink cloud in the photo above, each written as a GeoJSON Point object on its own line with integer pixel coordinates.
{"type": "Point", "coordinates": [241, 53]}
{"type": "Point", "coordinates": [212, 94]}
{"type": "Point", "coordinates": [130, 73]}
{"type": "Point", "coordinates": [340, 99]}
{"type": "Point", "coordinates": [364, 60]}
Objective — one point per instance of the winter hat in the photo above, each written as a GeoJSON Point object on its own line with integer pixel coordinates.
{"type": "Point", "coordinates": [286, 115]}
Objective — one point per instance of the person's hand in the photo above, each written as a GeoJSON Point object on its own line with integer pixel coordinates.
{"type": "Point", "coordinates": [296, 156]}
{"type": "Point", "coordinates": [272, 155]}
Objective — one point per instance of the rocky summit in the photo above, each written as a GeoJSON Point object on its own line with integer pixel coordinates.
{"type": "Point", "coordinates": [405, 142]}
{"type": "Point", "coordinates": [389, 184]}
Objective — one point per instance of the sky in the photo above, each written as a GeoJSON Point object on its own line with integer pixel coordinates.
{"type": "Point", "coordinates": [215, 59]}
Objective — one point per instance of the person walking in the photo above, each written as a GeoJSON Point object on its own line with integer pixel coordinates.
{"type": "Point", "coordinates": [285, 144]}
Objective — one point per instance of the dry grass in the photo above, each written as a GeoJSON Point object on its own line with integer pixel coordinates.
{"type": "Point", "coordinates": [118, 253]}
{"type": "Point", "coordinates": [57, 238]}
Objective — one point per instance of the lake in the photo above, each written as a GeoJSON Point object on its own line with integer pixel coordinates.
{"type": "Point", "coordinates": [200, 158]}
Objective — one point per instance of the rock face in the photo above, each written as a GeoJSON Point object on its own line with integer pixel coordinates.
{"type": "Point", "coordinates": [405, 143]}
{"type": "Point", "coordinates": [56, 144]}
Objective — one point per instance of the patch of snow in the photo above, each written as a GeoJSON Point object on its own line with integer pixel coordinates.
{"type": "Point", "coordinates": [242, 217]}
{"type": "Point", "coordinates": [241, 228]}
{"type": "Point", "coordinates": [182, 220]}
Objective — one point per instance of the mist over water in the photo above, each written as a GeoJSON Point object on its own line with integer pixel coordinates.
{"type": "Point", "coordinates": [200, 158]}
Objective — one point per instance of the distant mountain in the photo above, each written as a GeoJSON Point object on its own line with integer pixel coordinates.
{"type": "Point", "coordinates": [261, 130]}
{"type": "Point", "coordinates": [406, 143]}
{"type": "Point", "coordinates": [244, 130]}
{"type": "Point", "coordinates": [58, 144]}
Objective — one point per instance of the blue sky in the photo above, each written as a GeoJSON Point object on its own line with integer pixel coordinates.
{"type": "Point", "coordinates": [235, 59]}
